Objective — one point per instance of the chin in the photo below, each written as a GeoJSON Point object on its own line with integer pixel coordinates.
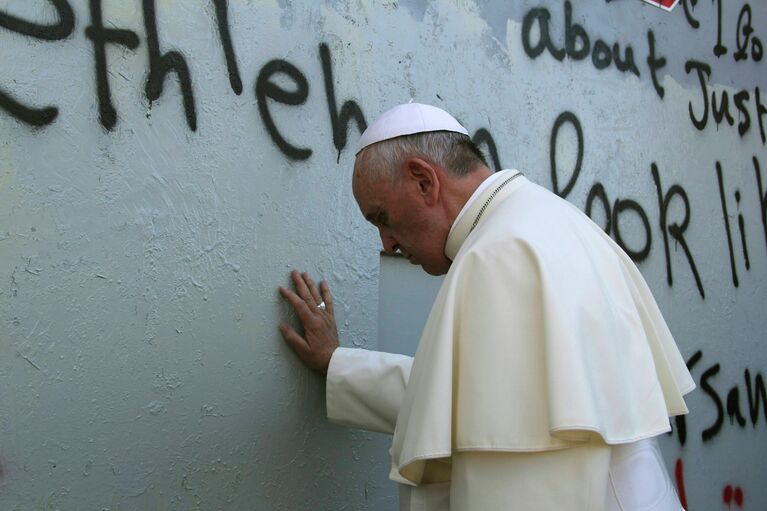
{"type": "Point", "coordinates": [436, 271]}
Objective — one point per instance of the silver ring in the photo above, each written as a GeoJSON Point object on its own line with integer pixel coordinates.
{"type": "Point", "coordinates": [322, 306]}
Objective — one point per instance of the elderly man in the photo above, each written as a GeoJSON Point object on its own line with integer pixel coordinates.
{"type": "Point", "coordinates": [545, 368]}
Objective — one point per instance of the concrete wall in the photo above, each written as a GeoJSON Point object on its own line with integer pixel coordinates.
{"type": "Point", "coordinates": [163, 164]}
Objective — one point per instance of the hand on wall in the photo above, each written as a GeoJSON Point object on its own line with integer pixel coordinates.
{"type": "Point", "coordinates": [315, 310]}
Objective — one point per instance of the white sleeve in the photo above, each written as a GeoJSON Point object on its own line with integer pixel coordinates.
{"type": "Point", "coordinates": [365, 388]}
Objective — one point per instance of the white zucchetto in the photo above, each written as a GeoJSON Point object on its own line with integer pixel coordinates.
{"type": "Point", "coordinates": [408, 119]}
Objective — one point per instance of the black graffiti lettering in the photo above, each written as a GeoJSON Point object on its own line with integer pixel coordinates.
{"type": "Point", "coordinates": [557, 53]}
{"type": "Point", "coordinates": [577, 44]}
{"type": "Point", "coordinates": [542, 17]}
{"type": "Point", "coordinates": [531, 17]}
{"type": "Point", "coordinates": [694, 359]}
{"type": "Point", "coordinates": [62, 29]}
{"type": "Point", "coordinates": [266, 89]}
{"type": "Point", "coordinates": [483, 136]}
{"type": "Point", "coordinates": [726, 217]}
{"type": "Point", "coordinates": [100, 37]}
{"type": "Point", "coordinates": [747, 31]}
{"type": "Point", "coordinates": [742, 229]}
{"type": "Point", "coordinates": [561, 119]}
{"type": "Point", "coordinates": [36, 117]}
{"type": "Point", "coordinates": [741, 225]}
{"type": "Point", "coordinates": [655, 64]}
{"type": "Point", "coordinates": [723, 110]}
{"type": "Point", "coordinates": [598, 192]}
{"type": "Point", "coordinates": [757, 51]}
{"type": "Point", "coordinates": [627, 62]}
{"type": "Point", "coordinates": [753, 394]}
{"type": "Point", "coordinates": [675, 229]}
{"type": "Point", "coordinates": [761, 110]}
{"type": "Point", "coordinates": [160, 64]}
{"type": "Point", "coordinates": [762, 194]}
{"type": "Point", "coordinates": [756, 396]}
{"type": "Point", "coordinates": [719, 48]}
{"type": "Point", "coordinates": [619, 207]}
{"type": "Point", "coordinates": [733, 407]}
{"type": "Point", "coordinates": [602, 56]}
{"type": "Point", "coordinates": [694, 23]}
{"type": "Point", "coordinates": [679, 420]}
{"type": "Point", "coordinates": [576, 39]}
{"type": "Point", "coordinates": [712, 430]}
{"type": "Point", "coordinates": [222, 19]}
{"type": "Point", "coordinates": [745, 118]}
{"type": "Point", "coordinates": [704, 71]}
{"type": "Point", "coordinates": [349, 110]}
{"type": "Point", "coordinates": [680, 427]}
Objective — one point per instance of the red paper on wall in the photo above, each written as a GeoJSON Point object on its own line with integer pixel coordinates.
{"type": "Point", "coordinates": [663, 4]}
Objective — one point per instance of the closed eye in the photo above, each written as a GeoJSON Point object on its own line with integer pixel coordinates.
{"type": "Point", "coordinates": [378, 218]}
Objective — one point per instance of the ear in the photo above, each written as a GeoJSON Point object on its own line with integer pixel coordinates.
{"type": "Point", "coordinates": [425, 176]}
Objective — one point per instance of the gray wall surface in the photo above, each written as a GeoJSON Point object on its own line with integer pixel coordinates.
{"type": "Point", "coordinates": [165, 163]}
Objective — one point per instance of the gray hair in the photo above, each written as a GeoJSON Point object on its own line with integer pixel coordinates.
{"type": "Point", "coordinates": [455, 152]}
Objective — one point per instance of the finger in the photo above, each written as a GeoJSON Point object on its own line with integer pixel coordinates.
{"type": "Point", "coordinates": [302, 309]}
{"type": "Point", "coordinates": [312, 287]}
{"type": "Point", "coordinates": [295, 341]}
{"type": "Point", "coordinates": [301, 288]}
{"type": "Point", "coordinates": [326, 296]}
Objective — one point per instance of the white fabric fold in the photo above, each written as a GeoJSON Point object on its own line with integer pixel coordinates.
{"type": "Point", "coordinates": [543, 336]}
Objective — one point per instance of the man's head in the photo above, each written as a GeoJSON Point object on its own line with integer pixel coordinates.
{"type": "Point", "coordinates": [415, 170]}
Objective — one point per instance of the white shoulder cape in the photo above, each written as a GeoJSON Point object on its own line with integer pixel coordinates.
{"type": "Point", "coordinates": [543, 334]}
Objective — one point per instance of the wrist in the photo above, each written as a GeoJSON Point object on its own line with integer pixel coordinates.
{"type": "Point", "coordinates": [326, 365]}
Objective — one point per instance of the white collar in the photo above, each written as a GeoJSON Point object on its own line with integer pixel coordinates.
{"type": "Point", "coordinates": [464, 222]}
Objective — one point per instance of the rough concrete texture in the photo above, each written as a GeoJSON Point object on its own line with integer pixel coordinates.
{"type": "Point", "coordinates": [143, 230]}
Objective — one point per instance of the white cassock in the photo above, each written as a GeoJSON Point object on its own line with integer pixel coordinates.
{"type": "Point", "coordinates": [543, 373]}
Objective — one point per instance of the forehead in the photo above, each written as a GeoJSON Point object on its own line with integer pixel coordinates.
{"type": "Point", "coordinates": [372, 195]}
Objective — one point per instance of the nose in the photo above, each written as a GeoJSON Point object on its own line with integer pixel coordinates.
{"type": "Point", "coordinates": [390, 245]}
